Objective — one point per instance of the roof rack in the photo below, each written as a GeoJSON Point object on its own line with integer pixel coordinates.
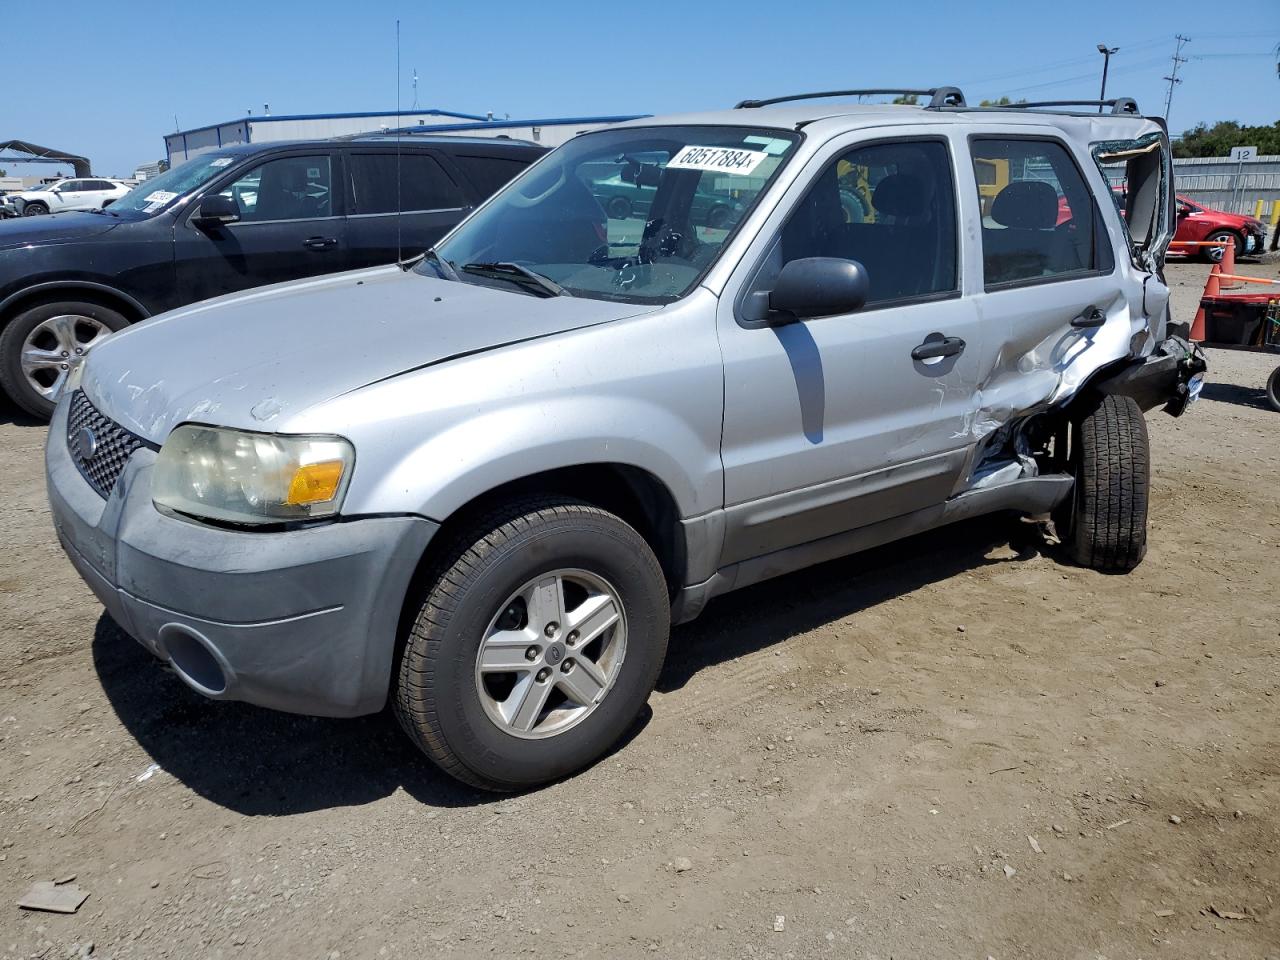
{"type": "Point", "coordinates": [938, 97]}
{"type": "Point", "coordinates": [1118, 105]}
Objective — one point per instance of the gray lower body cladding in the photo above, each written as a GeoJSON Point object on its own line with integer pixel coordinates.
{"type": "Point", "coordinates": [302, 620]}
{"type": "Point", "coordinates": [1033, 495]}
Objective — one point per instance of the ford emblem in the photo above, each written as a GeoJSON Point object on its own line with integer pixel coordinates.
{"type": "Point", "coordinates": [87, 443]}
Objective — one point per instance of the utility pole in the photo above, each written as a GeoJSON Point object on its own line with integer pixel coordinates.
{"type": "Point", "coordinates": [1178, 60]}
{"type": "Point", "coordinates": [1106, 62]}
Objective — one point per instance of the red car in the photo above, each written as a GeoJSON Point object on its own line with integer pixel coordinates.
{"type": "Point", "coordinates": [1197, 222]}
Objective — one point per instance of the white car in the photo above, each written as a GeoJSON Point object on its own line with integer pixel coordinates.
{"type": "Point", "coordinates": [90, 193]}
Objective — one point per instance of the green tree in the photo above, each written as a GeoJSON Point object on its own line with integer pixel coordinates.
{"type": "Point", "coordinates": [1217, 140]}
{"type": "Point", "coordinates": [1002, 102]}
{"type": "Point", "coordinates": [908, 99]}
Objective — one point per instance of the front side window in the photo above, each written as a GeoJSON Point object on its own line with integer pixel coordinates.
{"type": "Point", "coordinates": [1041, 224]}
{"type": "Point", "coordinates": [635, 214]}
{"type": "Point", "coordinates": [385, 183]}
{"type": "Point", "coordinates": [889, 206]}
{"type": "Point", "coordinates": [290, 188]}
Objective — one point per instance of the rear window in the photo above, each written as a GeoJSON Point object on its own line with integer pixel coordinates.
{"type": "Point", "coordinates": [385, 183]}
{"type": "Point", "coordinates": [1039, 220]}
{"type": "Point", "coordinates": [490, 174]}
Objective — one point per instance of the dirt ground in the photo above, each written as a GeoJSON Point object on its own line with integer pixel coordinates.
{"type": "Point", "coordinates": [953, 747]}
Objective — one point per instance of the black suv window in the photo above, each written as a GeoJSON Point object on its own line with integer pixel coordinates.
{"type": "Point", "coordinates": [490, 174]}
{"type": "Point", "coordinates": [423, 184]}
{"type": "Point", "coordinates": [1039, 221]}
{"type": "Point", "coordinates": [290, 188]}
{"type": "Point", "coordinates": [891, 207]}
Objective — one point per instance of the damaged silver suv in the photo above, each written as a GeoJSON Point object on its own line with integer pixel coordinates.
{"type": "Point", "coordinates": [483, 484]}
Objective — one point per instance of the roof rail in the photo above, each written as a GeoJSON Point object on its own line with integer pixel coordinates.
{"type": "Point", "coordinates": [938, 97]}
{"type": "Point", "coordinates": [1118, 105]}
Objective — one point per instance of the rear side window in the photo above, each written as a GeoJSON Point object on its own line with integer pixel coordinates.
{"type": "Point", "coordinates": [889, 206]}
{"type": "Point", "coordinates": [490, 174]}
{"type": "Point", "coordinates": [1039, 219]}
{"type": "Point", "coordinates": [385, 183]}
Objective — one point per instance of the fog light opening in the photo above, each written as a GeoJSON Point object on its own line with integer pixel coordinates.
{"type": "Point", "coordinates": [193, 660]}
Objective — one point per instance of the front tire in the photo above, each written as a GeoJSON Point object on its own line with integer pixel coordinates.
{"type": "Point", "coordinates": [1106, 520]}
{"type": "Point", "coordinates": [1214, 254]}
{"type": "Point", "coordinates": [40, 345]}
{"type": "Point", "coordinates": [540, 637]}
{"type": "Point", "coordinates": [1273, 390]}
{"type": "Point", "coordinates": [34, 209]}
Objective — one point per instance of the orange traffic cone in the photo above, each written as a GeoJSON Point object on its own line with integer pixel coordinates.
{"type": "Point", "coordinates": [1212, 288]}
{"type": "Point", "coordinates": [1229, 262]}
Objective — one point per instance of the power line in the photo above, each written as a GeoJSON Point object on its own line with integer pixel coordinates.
{"type": "Point", "coordinates": [1178, 60]}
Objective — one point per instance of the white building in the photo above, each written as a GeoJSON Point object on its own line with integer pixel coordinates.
{"type": "Point", "coordinates": [551, 132]}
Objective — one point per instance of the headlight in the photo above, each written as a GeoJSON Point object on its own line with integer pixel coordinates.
{"type": "Point", "coordinates": [251, 477]}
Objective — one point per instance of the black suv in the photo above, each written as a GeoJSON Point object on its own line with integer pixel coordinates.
{"type": "Point", "coordinates": [230, 219]}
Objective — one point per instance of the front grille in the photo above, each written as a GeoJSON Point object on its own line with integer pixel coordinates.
{"type": "Point", "coordinates": [100, 447]}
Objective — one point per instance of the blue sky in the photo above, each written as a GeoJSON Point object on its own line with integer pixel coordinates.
{"type": "Point", "coordinates": [107, 83]}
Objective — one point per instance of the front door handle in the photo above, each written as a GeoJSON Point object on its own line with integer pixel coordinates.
{"type": "Point", "coordinates": [320, 243]}
{"type": "Point", "coordinates": [942, 347]}
{"type": "Point", "coordinates": [1091, 317]}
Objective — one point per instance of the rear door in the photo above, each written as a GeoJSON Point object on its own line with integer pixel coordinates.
{"type": "Point", "coordinates": [399, 204]}
{"type": "Point", "coordinates": [291, 226]}
{"type": "Point", "coordinates": [840, 422]}
{"type": "Point", "coordinates": [1051, 283]}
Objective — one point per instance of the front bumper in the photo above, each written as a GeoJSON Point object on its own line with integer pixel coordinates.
{"type": "Point", "coordinates": [1172, 375]}
{"type": "Point", "coordinates": [302, 620]}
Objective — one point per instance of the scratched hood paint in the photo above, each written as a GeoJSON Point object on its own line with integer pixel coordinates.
{"type": "Point", "coordinates": [254, 360]}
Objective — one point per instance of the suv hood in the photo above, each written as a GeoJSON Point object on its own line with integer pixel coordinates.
{"type": "Point", "coordinates": [252, 360]}
{"type": "Point", "coordinates": [53, 228]}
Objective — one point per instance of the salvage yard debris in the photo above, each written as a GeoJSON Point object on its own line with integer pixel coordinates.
{"type": "Point", "coordinates": [53, 897]}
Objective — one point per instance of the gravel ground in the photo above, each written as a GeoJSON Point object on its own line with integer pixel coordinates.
{"type": "Point", "coordinates": [957, 746]}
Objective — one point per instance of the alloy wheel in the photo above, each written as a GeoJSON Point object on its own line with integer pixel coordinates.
{"type": "Point", "coordinates": [55, 347]}
{"type": "Point", "coordinates": [551, 653]}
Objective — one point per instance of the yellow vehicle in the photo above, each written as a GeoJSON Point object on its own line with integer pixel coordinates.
{"type": "Point", "coordinates": [993, 176]}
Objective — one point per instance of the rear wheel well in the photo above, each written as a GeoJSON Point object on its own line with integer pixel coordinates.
{"type": "Point", "coordinates": [103, 298]}
{"type": "Point", "coordinates": [634, 495]}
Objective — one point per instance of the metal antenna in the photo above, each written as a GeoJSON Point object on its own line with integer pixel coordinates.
{"type": "Point", "coordinates": [415, 89]}
{"type": "Point", "coordinates": [1178, 59]}
{"type": "Point", "coordinates": [399, 204]}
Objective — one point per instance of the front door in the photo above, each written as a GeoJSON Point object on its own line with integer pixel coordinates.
{"type": "Point", "coordinates": [840, 422]}
{"type": "Point", "coordinates": [290, 227]}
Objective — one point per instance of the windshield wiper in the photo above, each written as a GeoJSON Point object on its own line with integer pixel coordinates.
{"type": "Point", "coordinates": [518, 273]}
{"type": "Point", "coordinates": [445, 266]}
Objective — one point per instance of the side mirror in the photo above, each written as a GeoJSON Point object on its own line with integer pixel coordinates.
{"type": "Point", "coordinates": [809, 288]}
{"type": "Point", "coordinates": [216, 209]}
{"type": "Point", "coordinates": [108, 202]}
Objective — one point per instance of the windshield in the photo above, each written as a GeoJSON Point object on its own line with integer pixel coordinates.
{"type": "Point", "coordinates": [637, 215]}
{"type": "Point", "coordinates": [155, 194]}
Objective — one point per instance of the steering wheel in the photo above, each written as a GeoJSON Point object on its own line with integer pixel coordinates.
{"type": "Point", "coordinates": [519, 199]}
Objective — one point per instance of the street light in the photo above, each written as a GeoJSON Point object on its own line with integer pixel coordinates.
{"type": "Point", "coordinates": [1106, 62]}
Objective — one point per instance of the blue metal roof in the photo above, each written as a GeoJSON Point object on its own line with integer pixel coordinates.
{"type": "Point", "coordinates": [508, 124]}
{"type": "Point", "coordinates": [431, 111]}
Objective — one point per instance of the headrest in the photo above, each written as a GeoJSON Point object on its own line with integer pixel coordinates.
{"type": "Point", "coordinates": [900, 195]}
{"type": "Point", "coordinates": [1028, 204]}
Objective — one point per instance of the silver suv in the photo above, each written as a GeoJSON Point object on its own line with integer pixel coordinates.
{"type": "Point", "coordinates": [483, 484]}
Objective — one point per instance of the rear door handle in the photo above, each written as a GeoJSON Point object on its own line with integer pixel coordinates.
{"type": "Point", "coordinates": [320, 243]}
{"type": "Point", "coordinates": [1091, 317]}
{"type": "Point", "coordinates": [933, 349]}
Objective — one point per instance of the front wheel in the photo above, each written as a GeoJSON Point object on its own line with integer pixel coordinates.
{"type": "Point", "coordinates": [538, 641]}
{"type": "Point", "coordinates": [42, 345]}
{"type": "Point", "coordinates": [34, 209]}
{"type": "Point", "coordinates": [1104, 525]}
{"type": "Point", "coordinates": [1214, 254]}
{"type": "Point", "coordinates": [1273, 390]}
